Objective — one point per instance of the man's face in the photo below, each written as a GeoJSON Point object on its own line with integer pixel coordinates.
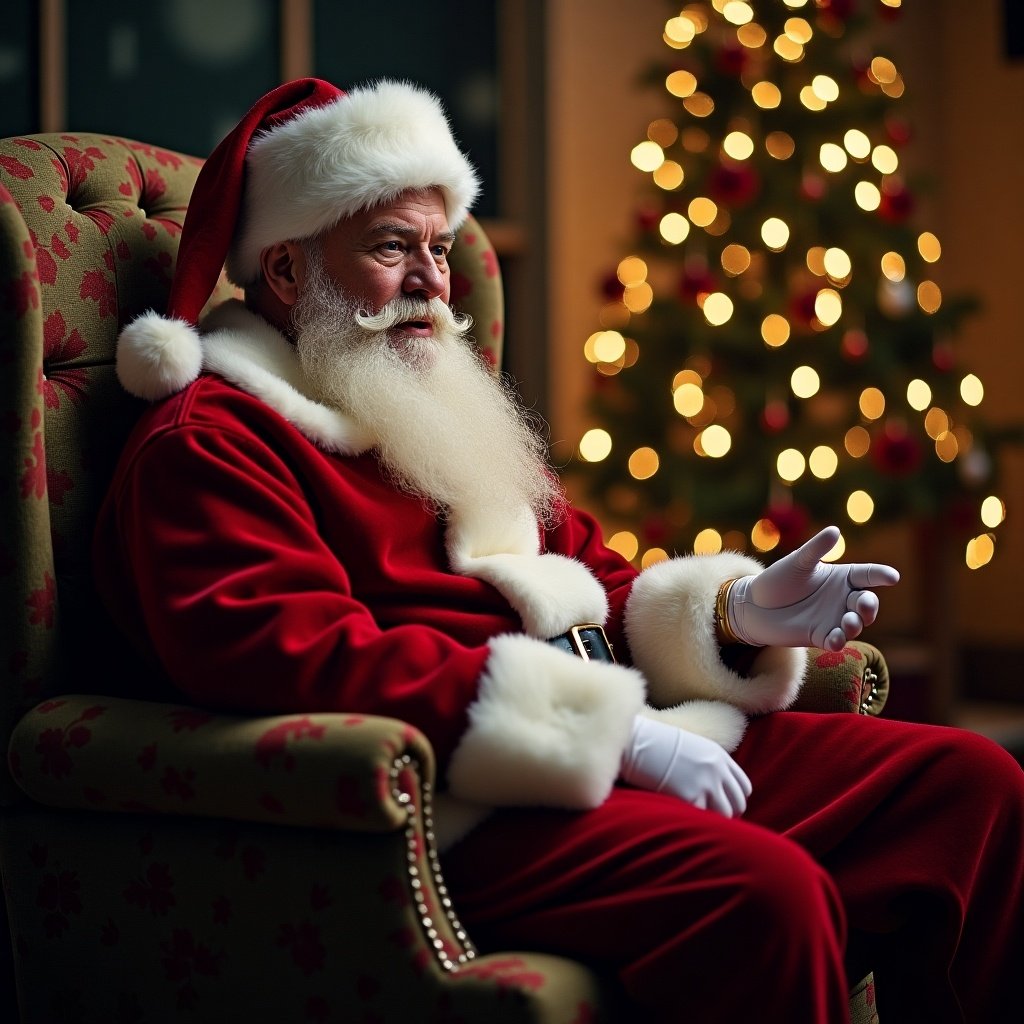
{"type": "Point", "coordinates": [398, 248]}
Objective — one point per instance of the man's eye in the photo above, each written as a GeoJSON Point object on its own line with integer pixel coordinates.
{"type": "Point", "coordinates": [441, 251]}
{"type": "Point", "coordinates": [392, 246]}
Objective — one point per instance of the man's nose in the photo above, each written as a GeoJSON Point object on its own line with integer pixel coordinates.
{"type": "Point", "coordinates": [424, 278]}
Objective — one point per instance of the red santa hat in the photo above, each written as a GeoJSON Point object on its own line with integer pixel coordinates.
{"type": "Point", "coordinates": [305, 156]}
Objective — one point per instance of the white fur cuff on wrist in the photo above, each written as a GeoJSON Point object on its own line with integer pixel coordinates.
{"type": "Point", "coordinates": [670, 625]}
{"type": "Point", "coordinates": [546, 729]}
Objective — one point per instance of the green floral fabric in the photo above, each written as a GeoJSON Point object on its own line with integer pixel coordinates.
{"type": "Point", "coordinates": [161, 863]}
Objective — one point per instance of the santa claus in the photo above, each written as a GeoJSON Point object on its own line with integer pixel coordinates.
{"type": "Point", "coordinates": [334, 505]}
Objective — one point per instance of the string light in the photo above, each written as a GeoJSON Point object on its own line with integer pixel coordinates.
{"type": "Point", "coordinates": [749, 268]}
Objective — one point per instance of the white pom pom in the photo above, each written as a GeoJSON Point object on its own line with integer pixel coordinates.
{"type": "Point", "coordinates": [157, 356]}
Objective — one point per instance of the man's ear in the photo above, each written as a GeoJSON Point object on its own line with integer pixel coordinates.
{"type": "Point", "coordinates": [283, 266]}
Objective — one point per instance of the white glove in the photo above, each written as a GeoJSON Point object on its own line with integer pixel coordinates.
{"type": "Point", "coordinates": [801, 601]}
{"type": "Point", "coordinates": [665, 759]}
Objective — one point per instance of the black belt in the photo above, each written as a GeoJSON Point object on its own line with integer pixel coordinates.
{"type": "Point", "coordinates": [587, 642]}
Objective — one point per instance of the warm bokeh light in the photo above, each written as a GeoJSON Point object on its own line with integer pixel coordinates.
{"type": "Point", "coordinates": [867, 195]}
{"type": "Point", "coordinates": [857, 442]}
{"type": "Point", "coordinates": [860, 506]}
{"type": "Point", "coordinates": [625, 543]}
{"type": "Point", "coordinates": [780, 145]}
{"type": "Point", "coordinates": [735, 259]}
{"type": "Point", "coordinates": [832, 157]}
{"type": "Point", "coordinates": [929, 247]}
{"type": "Point", "coordinates": [857, 144]}
{"type": "Point", "coordinates": [681, 84]}
{"type": "Point", "coordinates": [702, 211]}
{"type": "Point", "coordinates": [971, 390]}
{"type": "Point", "coordinates": [707, 542]}
{"type": "Point", "coordinates": [647, 156]}
{"type": "Point", "coordinates": [980, 551]}
{"type": "Point", "coordinates": [805, 381]}
{"type": "Point", "coordinates": [828, 306]}
{"type": "Point", "coordinates": [885, 160]}
{"type": "Point", "coordinates": [738, 145]}
{"type": "Point", "coordinates": [993, 511]}
{"type": "Point", "coordinates": [765, 535]}
{"type": "Point", "coordinates": [669, 175]}
{"type": "Point", "coordinates": [638, 297]}
{"type": "Point", "coordinates": [837, 264]}
{"type": "Point", "coordinates": [894, 267]}
{"type": "Point", "coordinates": [715, 441]}
{"type": "Point", "coordinates": [775, 233]}
{"type": "Point", "coordinates": [872, 403]}
{"type": "Point", "coordinates": [688, 399]}
{"type": "Point", "coordinates": [643, 463]}
{"type": "Point", "coordinates": [775, 330]}
{"type": "Point", "coordinates": [919, 394]}
{"type": "Point", "coordinates": [595, 445]}
{"type": "Point", "coordinates": [652, 556]}
{"type": "Point", "coordinates": [929, 296]}
{"type": "Point", "coordinates": [790, 465]}
{"type": "Point", "coordinates": [718, 308]}
{"type": "Point", "coordinates": [823, 462]}
{"type": "Point", "coordinates": [674, 228]}
{"type": "Point", "coordinates": [631, 270]}
{"type": "Point", "coordinates": [766, 95]}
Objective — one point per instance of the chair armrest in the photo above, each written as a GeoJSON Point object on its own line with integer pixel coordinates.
{"type": "Point", "coordinates": [855, 679]}
{"type": "Point", "coordinates": [318, 770]}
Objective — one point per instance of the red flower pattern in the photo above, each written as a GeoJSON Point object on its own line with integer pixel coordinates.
{"type": "Point", "coordinates": [100, 288]}
{"type": "Point", "coordinates": [53, 745]}
{"type": "Point", "coordinates": [58, 894]}
{"type": "Point", "coordinates": [273, 743]}
{"type": "Point", "coordinates": [179, 784]}
{"type": "Point", "coordinates": [33, 479]}
{"type": "Point", "coordinates": [305, 945]}
{"type": "Point", "coordinates": [152, 891]}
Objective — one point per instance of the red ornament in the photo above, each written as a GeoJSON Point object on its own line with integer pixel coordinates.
{"type": "Point", "coordinates": [855, 345]}
{"type": "Point", "coordinates": [647, 217]}
{"type": "Point", "coordinates": [734, 184]}
{"type": "Point", "coordinates": [801, 307]}
{"type": "Point", "coordinates": [895, 452]}
{"type": "Point", "coordinates": [897, 202]}
{"type": "Point", "coordinates": [696, 280]}
{"type": "Point", "coordinates": [943, 358]}
{"type": "Point", "coordinates": [791, 521]}
{"type": "Point", "coordinates": [612, 289]}
{"type": "Point", "coordinates": [812, 186]}
{"type": "Point", "coordinates": [655, 531]}
{"type": "Point", "coordinates": [899, 130]}
{"type": "Point", "coordinates": [732, 60]}
{"type": "Point", "coordinates": [775, 416]}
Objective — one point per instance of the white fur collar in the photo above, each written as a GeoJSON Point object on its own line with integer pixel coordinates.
{"type": "Point", "coordinates": [549, 592]}
{"type": "Point", "coordinates": [253, 355]}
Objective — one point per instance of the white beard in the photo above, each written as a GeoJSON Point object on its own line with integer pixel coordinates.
{"type": "Point", "coordinates": [447, 429]}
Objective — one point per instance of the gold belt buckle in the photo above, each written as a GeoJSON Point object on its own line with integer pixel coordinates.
{"type": "Point", "coordinates": [579, 644]}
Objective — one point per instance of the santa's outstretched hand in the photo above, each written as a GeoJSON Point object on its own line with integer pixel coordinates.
{"type": "Point", "coordinates": [801, 601]}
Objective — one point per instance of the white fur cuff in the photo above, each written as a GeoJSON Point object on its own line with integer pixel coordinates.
{"type": "Point", "coordinates": [546, 729]}
{"type": "Point", "coordinates": [670, 625]}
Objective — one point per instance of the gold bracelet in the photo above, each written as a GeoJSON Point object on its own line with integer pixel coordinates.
{"type": "Point", "coordinates": [722, 624]}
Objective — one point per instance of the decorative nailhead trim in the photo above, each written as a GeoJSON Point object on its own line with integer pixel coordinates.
{"type": "Point", "coordinates": [871, 680]}
{"type": "Point", "coordinates": [415, 882]}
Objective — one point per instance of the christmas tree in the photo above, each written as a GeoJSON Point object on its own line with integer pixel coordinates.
{"type": "Point", "coordinates": [775, 353]}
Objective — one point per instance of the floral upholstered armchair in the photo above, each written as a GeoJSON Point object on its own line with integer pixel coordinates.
{"type": "Point", "coordinates": [160, 862]}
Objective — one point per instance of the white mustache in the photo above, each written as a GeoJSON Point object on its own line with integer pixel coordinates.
{"type": "Point", "coordinates": [404, 308]}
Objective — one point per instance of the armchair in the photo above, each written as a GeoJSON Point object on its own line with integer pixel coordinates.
{"type": "Point", "coordinates": [160, 861]}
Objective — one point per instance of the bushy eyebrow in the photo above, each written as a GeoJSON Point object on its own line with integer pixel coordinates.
{"type": "Point", "coordinates": [405, 231]}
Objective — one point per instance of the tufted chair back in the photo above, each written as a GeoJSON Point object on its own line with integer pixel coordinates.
{"type": "Point", "coordinates": [89, 228]}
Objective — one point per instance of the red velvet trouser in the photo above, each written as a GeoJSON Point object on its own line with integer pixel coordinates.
{"type": "Point", "coordinates": [892, 846]}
